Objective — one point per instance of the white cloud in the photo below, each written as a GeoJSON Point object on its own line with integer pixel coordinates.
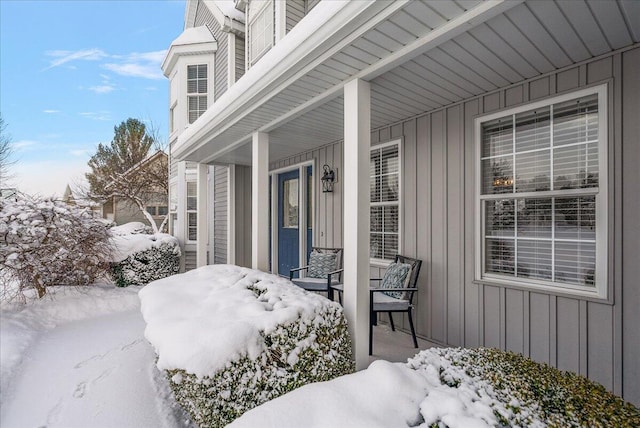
{"type": "Point", "coordinates": [102, 89]}
{"type": "Point", "coordinates": [23, 145]}
{"type": "Point", "coordinates": [63, 57]}
{"type": "Point", "coordinates": [147, 71]}
{"type": "Point", "coordinates": [151, 88]}
{"type": "Point", "coordinates": [51, 111]}
{"type": "Point", "coordinates": [101, 115]}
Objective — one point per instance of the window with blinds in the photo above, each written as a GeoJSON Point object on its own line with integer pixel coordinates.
{"type": "Point", "coordinates": [541, 194]}
{"type": "Point", "coordinates": [196, 91]}
{"type": "Point", "coordinates": [261, 29]}
{"type": "Point", "coordinates": [192, 211]}
{"type": "Point", "coordinates": [385, 201]}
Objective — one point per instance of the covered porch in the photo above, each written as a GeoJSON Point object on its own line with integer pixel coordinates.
{"type": "Point", "coordinates": [363, 74]}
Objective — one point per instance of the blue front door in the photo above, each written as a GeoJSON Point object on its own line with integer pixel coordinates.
{"type": "Point", "coordinates": [288, 221]}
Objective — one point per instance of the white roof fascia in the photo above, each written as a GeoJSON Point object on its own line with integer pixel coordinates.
{"type": "Point", "coordinates": [285, 58]}
{"type": "Point", "coordinates": [456, 26]}
{"type": "Point", "coordinates": [192, 41]}
{"type": "Point", "coordinates": [227, 23]}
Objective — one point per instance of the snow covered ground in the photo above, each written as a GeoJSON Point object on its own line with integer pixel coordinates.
{"type": "Point", "coordinates": [79, 359]}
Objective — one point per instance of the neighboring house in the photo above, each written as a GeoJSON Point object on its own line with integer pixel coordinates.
{"type": "Point", "coordinates": [497, 141]}
{"type": "Point", "coordinates": [72, 198]}
{"type": "Point", "coordinates": [121, 210]}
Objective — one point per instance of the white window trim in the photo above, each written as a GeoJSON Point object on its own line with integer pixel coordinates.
{"type": "Point", "coordinates": [195, 94]}
{"type": "Point", "coordinates": [385, 262]}
{"type": "Point", "coordinates": [191, 179]}
{"type": "Point", "coordinates": [600, 291]}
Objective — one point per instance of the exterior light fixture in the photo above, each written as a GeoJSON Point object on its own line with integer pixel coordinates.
{"type": "Point", "coordinates": [328, 178]}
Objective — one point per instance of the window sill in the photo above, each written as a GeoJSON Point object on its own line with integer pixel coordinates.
{"type": "Point", "coordinates": [548, 290]}
{"type": "Point", "coordinates": [380, 263]}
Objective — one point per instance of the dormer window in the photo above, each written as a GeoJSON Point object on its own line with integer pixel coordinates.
{"type": "Point", "coordinates": [261, 29]}
{"type": "Point", "coordinates": [196, 90]}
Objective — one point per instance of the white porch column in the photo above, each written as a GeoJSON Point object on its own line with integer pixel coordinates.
{"type": "Point", "coordinates": [202, 186]}
{"type": "Point", "coordinates": [260, 202]}
{"type": "Point", "coordinates": [357, 143]}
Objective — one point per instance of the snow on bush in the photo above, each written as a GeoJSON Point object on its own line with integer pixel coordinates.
{"type": "Point", "coordinates": [449, 387]}
{"type": "Point", "coordinates": [139, 259]}
{"type": "Point", "coordinates": [46, 242]}
{"type": "Point", "coordinates": [231, 338]}
{"type": "Point", "coordinates": [131, 228]}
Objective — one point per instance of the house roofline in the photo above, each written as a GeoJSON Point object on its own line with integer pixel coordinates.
{"type": "Point", "coordinates": [303, 47]}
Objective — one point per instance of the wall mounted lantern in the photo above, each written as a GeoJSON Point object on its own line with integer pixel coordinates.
{"type": "Point", "coordinates": [328, 178]}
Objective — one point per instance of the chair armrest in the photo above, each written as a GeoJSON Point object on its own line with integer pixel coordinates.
{"type": "Point", "coordinates": [382, 290]}
{"type": "Point", "coordinates": [291, 271]}
{"type": "Point", "coordinates": [332, 273]}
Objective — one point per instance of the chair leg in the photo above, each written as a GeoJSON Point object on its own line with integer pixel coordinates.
{"type": "Point", "coordinates": [371, 333]}
{"type": "Point", "coordinates": [393, 327]}
{"type": "Point", "coordinates": [413, 331]}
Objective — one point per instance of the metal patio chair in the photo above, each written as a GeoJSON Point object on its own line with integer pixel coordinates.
{"type": "Point", "coordinates": [323, 271]}
{"type": "Point", "coordinates": [394, 295]}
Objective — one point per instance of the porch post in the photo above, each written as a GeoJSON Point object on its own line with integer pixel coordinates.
{"type": "Point", "coordinates": [357, 143]}
{"type": "Point", "coordinates": [180, 225]}
{"type": "Point", "coordinates": [260, 202]}
{"type": "Point", "coordinates": [203, 214]}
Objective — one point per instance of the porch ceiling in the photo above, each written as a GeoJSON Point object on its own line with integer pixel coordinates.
{"type": "Point", "coordinates": [441, 57]}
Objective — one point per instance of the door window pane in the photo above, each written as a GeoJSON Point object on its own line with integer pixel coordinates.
{"type": "Point", "coordinates": [290, 203]}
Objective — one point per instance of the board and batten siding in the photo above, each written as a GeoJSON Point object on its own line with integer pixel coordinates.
{"type": "Point", "coordinates": [205, 17]}
{"type": "Point", "coordinates": [438, 226]}
{"type": "Point", "coordinates": [327, 227]}
{"type": "Point", "coordinates": [242, 190]}
{"type": "Point", "coordinates": [220, 223]}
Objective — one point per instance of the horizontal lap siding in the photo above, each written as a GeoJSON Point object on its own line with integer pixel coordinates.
{"type": "Point", "coordinates": [295, 12]}
{"type": "Point", "coordinates": [438, 226]}
{"type": "Point", "coordinates": [240, 66]}
{"type": "Point", "coordinates": [205, 17]}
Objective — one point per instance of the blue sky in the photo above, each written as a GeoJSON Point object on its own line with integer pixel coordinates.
{"type": "Point", "coordinates": [72, 70]}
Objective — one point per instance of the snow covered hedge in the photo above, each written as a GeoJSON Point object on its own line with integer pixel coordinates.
{"type": "Point", "coordinates": [449, 387]}
{"type": "Point", "coordinates": [140, 258]}
{"type": "Point", "coordinates": [231, 338]}
{"type": "Point", "coordinates": [44, 242]}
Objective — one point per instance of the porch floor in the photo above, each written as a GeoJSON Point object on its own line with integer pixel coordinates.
{"type": "Point", "coordinates": [395, 346]}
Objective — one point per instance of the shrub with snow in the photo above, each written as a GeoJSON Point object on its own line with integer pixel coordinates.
{"type": "Point", "coordinates": [453, 388]}
{"type": "Point", "coordinates": [231, 338]}
{"type": "Point", "coordinates": [45, 242]}
{"type": "Point", "coordinates": [139, 259]}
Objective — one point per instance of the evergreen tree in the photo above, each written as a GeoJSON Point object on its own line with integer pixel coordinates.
{"type": "Point", "coordinates": [130, 145]}
{"type": "Point", "coordinates": [111, 169]}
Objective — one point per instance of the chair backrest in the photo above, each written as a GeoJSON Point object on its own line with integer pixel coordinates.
{"type": "Point", "coordinates": [416, 264]}
{"type": "Point", "coordinates": [336, 251]}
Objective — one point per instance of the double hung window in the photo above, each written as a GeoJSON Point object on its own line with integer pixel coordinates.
{"type": "Point", "coordinates": [192, 213]}
{"type": "Point", "coordinates": [385, 201]}
{"type": "Point", "coordinates": [197, 90]}
{"type": "Point", "coordinates": [261, 29]}
{"type": "Point", "coordinates": [542, 194]}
